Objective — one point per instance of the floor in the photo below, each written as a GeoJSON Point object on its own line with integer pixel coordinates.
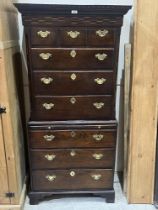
{"type": "Point", "coordinates": [89, 203]}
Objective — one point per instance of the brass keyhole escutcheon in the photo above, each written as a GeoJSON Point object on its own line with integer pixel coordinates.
{"type": "Point", "coordinates": [73, 134]}
{"type": "Point", "coordinates": [73, 100]}
{"type": "Point", "coordinates": [72, 173]}
{"type": "Point", "coordinates": [73, 53]}
{"type": "Point", "coordinates": [72, 153]}
{"type": "Point", "coordinates": [73, 76]}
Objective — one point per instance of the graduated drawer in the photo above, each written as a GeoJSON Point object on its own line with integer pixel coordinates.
{"type": "Point", "coordinates": [72, 108]}
{"type": "Point", "coordinates": [72, 138]}
{"type": "Point", "coordinates": [70, 59]}
{"type": "Point", "coordinates": [70, 83]}
{"type": "Point", "coordinates": [72, 158]}
{"type": "Point", "coordinates": [74, 179]}
{"type": "Point", "coordinates": [72, 36]}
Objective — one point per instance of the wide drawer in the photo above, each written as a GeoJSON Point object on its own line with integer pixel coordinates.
{"type": "Point", "coordinates": [70, 83]}
{"type": "Point", "coordinates": [72, 108]}
{"type": "Point", "coordinates": [72, 36]}
{"type": "Point", "coordinates": [77, 58]}
{"type": "Point", "coordinates": [72, 158]}
{"type": "Point", "coordinates": [72, 138]}
{"type": "Point", "coordinates": [74, 179]}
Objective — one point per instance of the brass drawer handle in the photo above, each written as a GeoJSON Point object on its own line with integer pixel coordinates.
{"type": "Point", "coordinates": [48, 106]}
{"type": "Point", "coordinates": [73, 76]}
{"type": "Point", "coordinates": [72, 173]}
{"type": "Point", "coordinates": [98, 137]}
{"type": "Point", "coordinates": [46, 81]}
{"type": "Point", "coordinates": [50, 157]}
{"type": "Point", "coordinates": [45, 56]}
{"type": "Point", "coordinates": [101, 56]}
{"type": "Point", "coordinates": [98, 156]}
{"type": "Point", "coordinates": [100, 81]}
{"type": "Point", "coordinates": [51, 178]}
{"type": "Point", "coordinates": [73, 153]}
{"type": "Point", "coordinates": [73, 100]}
{"type": "Point", "coordinates": [43, 34]}
{"type": "Point", "coordinates": [73, 53]}
{"type": "Point", "coordinates": [98, 105]}
{"type": "Point", "coordinates": [96, 177]}
{"type": "Point", "coordinates": [102, 33]}
{"type": "Point", "coordinates": [73, 34]}
{"type": "Point", "coordinates": [49, 137]}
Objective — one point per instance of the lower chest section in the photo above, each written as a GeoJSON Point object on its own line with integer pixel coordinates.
{"type": "Point", "coordinates": [72, 157]}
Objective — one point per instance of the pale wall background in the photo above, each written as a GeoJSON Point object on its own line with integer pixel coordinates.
{"type": "Point", "coordinates": [125, 37]}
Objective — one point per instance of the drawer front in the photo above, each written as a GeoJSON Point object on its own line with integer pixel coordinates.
{"type": "Point", "coordinates": [74, 179]}
{"type": "Point", "coordinates": [72, 138]}
{"type": "Point", "coordinates": [72, 158]}
{"type": "Point", "coordinates": [55, 59]}
{"type": "Point", "coordinates": [100, 37]}
{"type": "Point", "coordinates": [72, 36]}
{"type": "Point", "coordinates": [73, 83]}
{"type": "Point", "coordinates": [72, 108]}
{"type": "Point", "coordinates": [44, 36]}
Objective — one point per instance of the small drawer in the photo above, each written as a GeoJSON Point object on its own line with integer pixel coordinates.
{"type": "Point", "coordinates": [43, 36]}
{"type": "Point", "coordinates": [73, 108]}
{"type": "Point", "coordinates": [100, 37]}
{"type": "Point", "coordinates": [72, 138]}
{"type": "Point", "coordinates": [73, 83]}
{"type": "Point", "coordinates": [70, 59]}
{"type": "Point", "coordinates": [73, 179]}
{"type": "Point", "coordinates": [72, 37]}
{"type": "Point", "coordinates": [72, 158]}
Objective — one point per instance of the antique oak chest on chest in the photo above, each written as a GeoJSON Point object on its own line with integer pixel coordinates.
{"type": "Point", "coordinates": [72, 55]}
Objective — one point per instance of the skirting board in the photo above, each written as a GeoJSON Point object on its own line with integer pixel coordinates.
{"type": "Point", "coordinates": [21, 203]}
